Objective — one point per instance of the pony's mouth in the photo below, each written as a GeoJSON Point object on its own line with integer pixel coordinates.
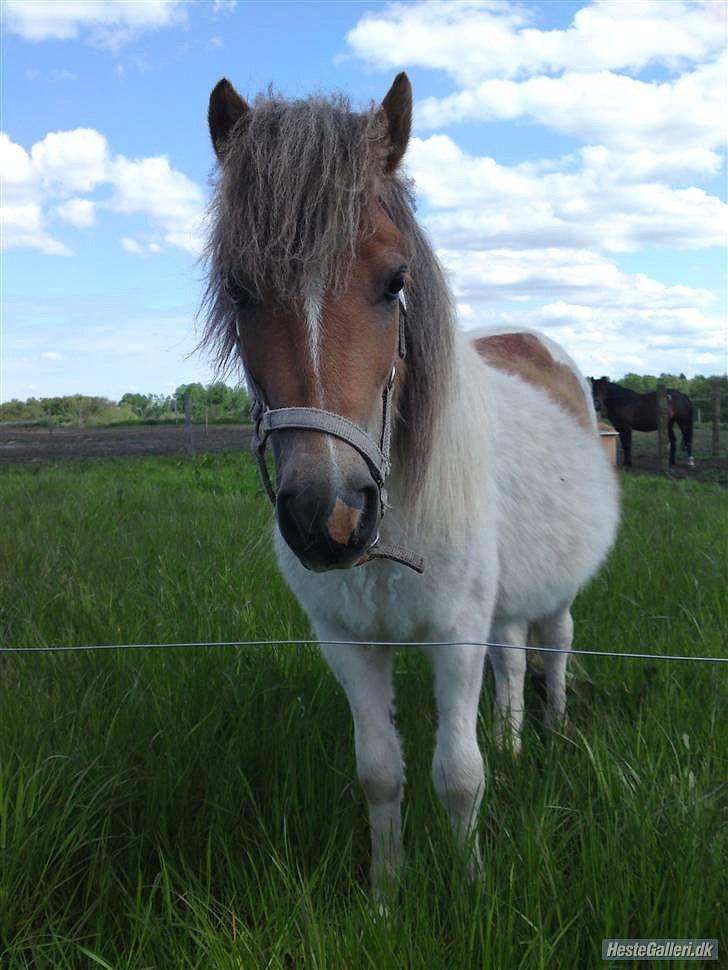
{"type": "Point", "coordinates": [320, 540]}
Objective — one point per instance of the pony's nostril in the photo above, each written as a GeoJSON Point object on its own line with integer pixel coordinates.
{"type": "Point", "coordinates": [290, 519]}
{"type": "Point", "coordinates": [327, 531]}
{"type": "Point", "coordinates": [368, 521]}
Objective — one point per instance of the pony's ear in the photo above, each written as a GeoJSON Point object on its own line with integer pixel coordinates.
{"type": "Point", "coordinates": [397, 111]}
{"type": "Point", "coordinates": [226, 108]}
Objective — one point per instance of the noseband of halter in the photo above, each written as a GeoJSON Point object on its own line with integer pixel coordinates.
{"type": "Point", "coordinates": [267, 420]}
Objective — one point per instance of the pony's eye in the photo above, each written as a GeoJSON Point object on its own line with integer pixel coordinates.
{"type": "Point", "coordinates": [238, 294]}
{"type": "Point", "coordinates": [394, 286]}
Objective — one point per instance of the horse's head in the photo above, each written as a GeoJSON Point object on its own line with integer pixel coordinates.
{"type": "Point", "coordinates": [307, 268]}
{"type": "Point", "coordinates": [600, 389]}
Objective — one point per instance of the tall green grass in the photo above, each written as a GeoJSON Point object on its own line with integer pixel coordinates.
{"type": "Point", "coordinates": [197, 809]}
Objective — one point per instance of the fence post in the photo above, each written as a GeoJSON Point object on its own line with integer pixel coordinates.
{"type": "Point", "coordinates": [188, 424]}
{"type": "Point", "coordinates": [662, 426]}
{"type": "Point", "coordinates": [206, 417]}
{"type": "Point", "coordinates": [50, 422]}
{"type": "Point", "coordinates": [716, 423]}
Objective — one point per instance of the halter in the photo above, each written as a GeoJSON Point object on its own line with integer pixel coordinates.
{"type": "Point", "coordinates": [267, 420]}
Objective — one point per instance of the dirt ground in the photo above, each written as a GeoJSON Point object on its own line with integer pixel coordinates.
{"type": "Point", "coordinates": [708, 468]}
{"type": "Point", "coordinates": [23, 444]}
{"type": "Point", "coordinates": [713, 470]}
{"type": "Point", "coordinates": [40, 444]}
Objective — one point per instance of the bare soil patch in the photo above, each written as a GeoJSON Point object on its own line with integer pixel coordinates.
{"type": "Point", "coordinates": [40, 444]}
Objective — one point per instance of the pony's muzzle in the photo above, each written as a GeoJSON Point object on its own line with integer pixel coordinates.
{"type": "Point", "coordinates": [327, 525]}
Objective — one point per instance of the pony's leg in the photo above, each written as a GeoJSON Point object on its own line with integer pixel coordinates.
{"type": "Point", "coordinates": [625, 437]}
{"type": "Point", "coordinates": [365, 673]}
{"type": "Point", "coordinates": [686, 429]}
{"type": "Point", "coordinates": [509, 668]}
{"type": "Point", "coordinates": [556, 630]}
{"type": "Point", "coordinates": [457, 764]}
{"type": "Point", "coordinates": [671, 438]}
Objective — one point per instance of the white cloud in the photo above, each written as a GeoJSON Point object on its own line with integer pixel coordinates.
{"type": "Point", "coordinates": [594, 199]}
{"type": "Point", "coordinates": [107, 22]}
{"type": "Point", "coordinates": [610, 321]}
{"type": "Point", "coordinates": [132, 246]}
{"type": "Point", "coordinates": [139, 248]}
{"type": "Point", "coordinates": [151, 187]}
{"type": "Point", "coordinates": [610, 109]}
{"type": "Point", "coordinates": [22, 226]}
{"type": "Point", "coordinates": [52, 355]}
{"type": "Point", "coordinates": [63, 165]}
{"type": "Point", "coordinates": [473, 40]}
{"type": "Point", "coordinates": [568, 276]}
{"type": "Point", "coordinates": [80, 213]}
{"type": "Point", "coordinates": [15, 164]}
{"type": "Point", "coordinates": [71, 161]}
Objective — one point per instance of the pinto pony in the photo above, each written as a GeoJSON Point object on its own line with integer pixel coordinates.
{"type": "Point", "coordinates": [374, 402]}
{"type": "Point", "coordinates": [629, 411]}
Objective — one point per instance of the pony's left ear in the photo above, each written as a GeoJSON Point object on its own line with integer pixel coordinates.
{"type": "Point", "coordinates": [225, 110]}
{"type": "Point", "coordinates": [397, 111]}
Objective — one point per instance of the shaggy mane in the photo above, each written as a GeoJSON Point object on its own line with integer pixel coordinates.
{"type": "Point", "coordinates": [292, 196]}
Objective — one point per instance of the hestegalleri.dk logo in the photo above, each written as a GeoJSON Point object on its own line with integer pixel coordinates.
{"type": "Point", "coordinates": [659, 949]}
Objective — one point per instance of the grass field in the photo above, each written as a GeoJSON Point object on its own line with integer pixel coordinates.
{"type": "Point", "coordinates": [196, 808]}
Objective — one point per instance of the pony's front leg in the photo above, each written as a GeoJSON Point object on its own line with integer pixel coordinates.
{"type": "Point", "coordinates": [365, 673]}
{"type": "Point", "coordinates": [625, 437]}
{"type": "Point", "coordinates": [457, 765]}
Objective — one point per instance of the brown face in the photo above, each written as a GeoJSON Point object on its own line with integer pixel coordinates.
{"type": "Point", "coordinates": [334, 351]}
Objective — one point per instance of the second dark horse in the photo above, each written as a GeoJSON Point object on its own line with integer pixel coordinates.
{"type": "Point", "coordinates": [629, 411]}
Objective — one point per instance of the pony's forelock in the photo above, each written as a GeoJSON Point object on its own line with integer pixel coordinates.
{"type": "Point", "coordinates": [294, 194]}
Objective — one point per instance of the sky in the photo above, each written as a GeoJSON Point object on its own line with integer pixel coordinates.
{"type": "Point", "coordinates": [569, 159]}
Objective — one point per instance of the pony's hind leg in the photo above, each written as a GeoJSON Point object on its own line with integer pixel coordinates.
{"type": "Point", "coordinates": [685, 422]}
{"type": "Point", "coordinates": [457, 765]}
{"type": "Point", "coordinates": [365, 673]}
{"type": "Point", "coordinates": [556, 630]}
{"type": "Point", "coordinates": [625, 438]}
{"type": "Point", "coordinates": [671, 438]}
{"type": "Point", "coordinates": [509, 668]}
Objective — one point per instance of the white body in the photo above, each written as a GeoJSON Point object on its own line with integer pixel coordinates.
{"type": "Point", "coordinates": [520, 509]}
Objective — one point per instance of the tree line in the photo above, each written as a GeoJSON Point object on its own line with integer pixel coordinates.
{"type": "Point", "coordinates": [698, 387]}
{"type": "Point", "coordinates": [219, 404]}
{"type": "Point", "coordinates": [216, 403]}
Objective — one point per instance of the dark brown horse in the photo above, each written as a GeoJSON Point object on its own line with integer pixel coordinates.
{"type": "Point", "coordinates": [629, 411]}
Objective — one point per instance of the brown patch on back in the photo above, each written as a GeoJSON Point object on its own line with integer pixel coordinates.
{"type": "Point", "coordinates": [523, 355]}
{"type": "Point", "coordinates": [342, 522]}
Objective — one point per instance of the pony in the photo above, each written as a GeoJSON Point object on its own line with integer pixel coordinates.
{"type": "Point", "coordinates": [629, 411]}
{"type": "Point", "coordinates": [418, 493]}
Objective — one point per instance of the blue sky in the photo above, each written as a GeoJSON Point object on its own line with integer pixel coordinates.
{"type": "Point", "coordinates": [569, 157]}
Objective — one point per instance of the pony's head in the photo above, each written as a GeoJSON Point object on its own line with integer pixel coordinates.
{"type": "Point", "coordinates": [600, 389]}
{"type": "Point", "coordinates": [307, 264]}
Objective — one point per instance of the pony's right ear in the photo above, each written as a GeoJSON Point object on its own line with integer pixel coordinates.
{"type": "Point", "coordinates": [225, 110]}
{"type": "Point", "coordinates": [396, 110]}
